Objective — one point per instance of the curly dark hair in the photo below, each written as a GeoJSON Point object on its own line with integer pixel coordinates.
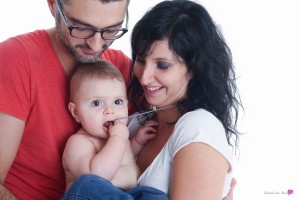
{"type": "Point", "coordinates": [193, 36]}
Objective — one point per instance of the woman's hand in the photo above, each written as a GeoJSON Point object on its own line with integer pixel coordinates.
{"type": "Point", "coordinates": [230, 193]}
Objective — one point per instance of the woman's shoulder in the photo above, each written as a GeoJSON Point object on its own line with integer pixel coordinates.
{"type": "Point", "coordinates": [199, 118]}
{"type": "Point", "coordinates": [199, 126]}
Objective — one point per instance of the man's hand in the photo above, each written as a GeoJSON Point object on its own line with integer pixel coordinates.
{"type": "Point", "coordinates": [6, 194]}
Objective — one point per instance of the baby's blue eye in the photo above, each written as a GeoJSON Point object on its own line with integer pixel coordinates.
{"type": "Point", "coordinates": [163, 65]}
{"type": "Point", "coordinates": [96, 103]}
{"type": "Point", "coordinates": [119, 102]}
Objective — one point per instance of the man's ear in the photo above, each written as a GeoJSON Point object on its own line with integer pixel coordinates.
{"type": "Point", "coordinates": [73, 111]}
{"type": "Point", "coordinates": [51, 5]}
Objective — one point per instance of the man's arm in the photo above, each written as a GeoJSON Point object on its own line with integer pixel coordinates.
{"type": "Point", "coordinates": [11, 131]}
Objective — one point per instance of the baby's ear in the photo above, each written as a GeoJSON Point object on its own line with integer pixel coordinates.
{"type": "Point", "coordinates": [73, 111]}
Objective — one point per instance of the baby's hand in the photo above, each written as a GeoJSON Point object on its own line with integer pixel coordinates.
{"type": "Point", "coordinates": [146, 132]}
{"type": "Point", "coordinates": [118, 128]}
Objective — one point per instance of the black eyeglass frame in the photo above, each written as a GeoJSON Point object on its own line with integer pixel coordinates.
{"type": "Point", "coordinates": [101, 31]}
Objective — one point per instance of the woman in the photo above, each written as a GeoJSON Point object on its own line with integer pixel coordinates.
{"type": "Point", "coordinates": [181, 59]}
{"type": "Point", "coordinates": [182, 69]}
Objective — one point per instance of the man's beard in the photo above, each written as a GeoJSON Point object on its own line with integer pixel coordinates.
{"type": "Point", "coordinates": [72, 50]}
{"type": "Point", "coordinates": [78, 56]}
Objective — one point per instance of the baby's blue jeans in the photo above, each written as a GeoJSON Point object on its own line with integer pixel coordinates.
{"type": "Point", "coordinates": [92, 187]}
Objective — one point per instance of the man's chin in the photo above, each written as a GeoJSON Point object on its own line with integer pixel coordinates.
{"type": "Point", "coordinates": [88, 59]}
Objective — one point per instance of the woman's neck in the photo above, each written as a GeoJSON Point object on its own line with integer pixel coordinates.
{"type": "Point", "coordinates": [168, 115]}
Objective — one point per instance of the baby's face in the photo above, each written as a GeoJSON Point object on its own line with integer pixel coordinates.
{"type": "Point", "coordinates": [99, 102]}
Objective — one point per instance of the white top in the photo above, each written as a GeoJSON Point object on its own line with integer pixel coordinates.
{"type": "Point", "coordinates": [201, 126]}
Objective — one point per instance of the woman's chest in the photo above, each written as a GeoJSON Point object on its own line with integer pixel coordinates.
{"type": "Point", "coordinates": [152, 149]}
{"type": "Point", "coordinates": [156, 168]}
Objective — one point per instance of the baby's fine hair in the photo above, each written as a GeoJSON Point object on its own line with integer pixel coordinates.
{"type": "Point", "coordinates": [99, 70]}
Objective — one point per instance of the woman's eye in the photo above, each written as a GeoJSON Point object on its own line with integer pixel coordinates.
{"type": "Point", "coordinates": [96, 103]}
{"type": "Point", "coordinates": [119, 102]}
{"type": "Point", "coordinates": [163, 65]}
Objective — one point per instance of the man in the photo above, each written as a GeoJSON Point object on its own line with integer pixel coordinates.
{"type": "Point", "coordinates": [35, 67]}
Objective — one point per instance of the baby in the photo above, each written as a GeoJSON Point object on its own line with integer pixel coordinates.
{"type": "Point", "coordinates": [101, 146]}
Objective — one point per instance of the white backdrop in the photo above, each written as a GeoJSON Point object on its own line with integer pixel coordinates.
{"type": "Point", "coordinates": [264, 39]}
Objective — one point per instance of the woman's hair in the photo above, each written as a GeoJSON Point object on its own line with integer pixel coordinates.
{"type": "Point", "coordinates": [99, 70]}
{"type": "Point", "coordinates": [193, 36]}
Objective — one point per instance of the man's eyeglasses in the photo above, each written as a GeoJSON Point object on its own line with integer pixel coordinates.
{"type": "Point", "coordinates": [86, 32]}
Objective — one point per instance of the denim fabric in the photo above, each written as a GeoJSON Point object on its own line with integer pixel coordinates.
{"type": "Point", "coordinates": [92, 187]}
{"type": "Point", "coordinates": [147, 193]}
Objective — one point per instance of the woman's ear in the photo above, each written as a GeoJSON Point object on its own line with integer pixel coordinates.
{"type": "Point", "coordinates": [73, 111]}
{"type": "Point", "coordinates": [51, 5]}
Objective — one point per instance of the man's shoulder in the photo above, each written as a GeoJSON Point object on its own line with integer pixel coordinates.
{"type": "Point", "coordinates": [34, 35]}
{"type": "Point", "coordinates": [30, 40]}
{"type": "Point", "coordinates": [113, 55]}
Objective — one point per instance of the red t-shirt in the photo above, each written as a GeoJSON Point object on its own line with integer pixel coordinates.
{"type": "Point", "coordinates": [34, 88]}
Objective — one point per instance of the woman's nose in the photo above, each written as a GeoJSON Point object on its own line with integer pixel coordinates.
{"type": "Point", "coordinates": [146, 75]}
